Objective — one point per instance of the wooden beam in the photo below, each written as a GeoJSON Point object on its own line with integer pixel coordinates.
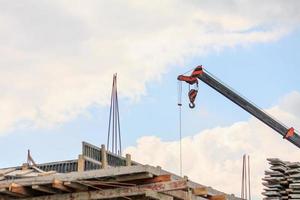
{"type": "Point", "coordinates": [217, 197]}
{"type": "Point", "coordinates": [183, 195]}
{"type": "Point", "coordinates": [6, 171]}
{"type": "Point", "coordinates": [117, 192]}
{"type": "Point", "coordinates": [43, 188]}
{"type": "Point", "coordinates": [191, 184]}
{"type": "Point", "coordinates": [4, 198]}
{"type": "Point", "coordinates": [157, 179]}
{"type": "Point", "coordinates": [73, 176]}
{"type": "Point", "coordinates": [37, 169]}
{"type": "Point", "coordinates": [133, 177]}
{"type": "Point", "coordinates": [47, 173]}
{"type": "Point", "coordinates": [24, 172]}
{"type": "Point", "coordinates": [25, 166]}
{"type": "Point", "coordinates": [58, 184]}
{"type": "Point", "coordinates": [200, 191]}
{"type": "Point", "coordinates": [178, 194]}
{"type": "Point", "coordinates": [76, 186]}
{"type": "Point", "coordinates": [19, 189]}
{"type": "Point", "coordinates": [158, 196]}
{"type": "Point", "coordinates": [9, 193]}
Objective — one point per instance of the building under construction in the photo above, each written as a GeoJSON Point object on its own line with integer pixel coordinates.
{"type": "Point", "coordinates": [99, 174]}
{"type": "Point", "coordinates": [104, 174]}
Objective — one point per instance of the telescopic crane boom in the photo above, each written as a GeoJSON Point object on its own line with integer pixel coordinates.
{"type": "Point", "coordinates": [200, 73]}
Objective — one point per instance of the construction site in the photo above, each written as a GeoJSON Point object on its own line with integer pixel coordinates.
{"type": "Point", "coordinates": [149, 100]}
{"type": "Point", "coordinates": [103, 173]}
{"type": "Point", "coordinates": [98, 174]}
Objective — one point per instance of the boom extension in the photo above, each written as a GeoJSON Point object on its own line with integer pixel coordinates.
{"type": "Point", "coordinates": [199, 73]}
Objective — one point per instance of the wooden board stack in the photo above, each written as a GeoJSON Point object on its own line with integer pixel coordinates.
{"type": "Point", "coordinates": [282, 181]}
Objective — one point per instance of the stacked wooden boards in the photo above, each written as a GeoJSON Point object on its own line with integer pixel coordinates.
{"type": "Point", "coordinates": [282, 180]}
{"type": "Point", "coordinates": [136, 182]}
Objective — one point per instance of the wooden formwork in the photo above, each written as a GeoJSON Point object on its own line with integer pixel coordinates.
{"type": "Point", "coordinates": [129, 182]}
{"type": "Point", "coordinates": [97, 174]}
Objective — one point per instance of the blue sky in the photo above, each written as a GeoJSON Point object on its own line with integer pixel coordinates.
{"type": "Point", "coordinates": [58, 58]}
{"type": "Point", "coordinates": [262, 72]}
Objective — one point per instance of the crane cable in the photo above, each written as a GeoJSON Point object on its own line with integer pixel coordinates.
{"type": "Point", "coordinates": [179, 103]}
{"type": "Point", "coordinates": [180, 124]}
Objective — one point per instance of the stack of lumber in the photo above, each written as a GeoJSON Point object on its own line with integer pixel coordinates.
{"type": "Point", "coordinates": [282, 180]}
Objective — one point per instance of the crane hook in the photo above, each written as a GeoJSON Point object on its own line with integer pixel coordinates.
{"type": "Point", "coordinates": [192, 96]}
{"type": "Point", "coordinates": [192, 105]}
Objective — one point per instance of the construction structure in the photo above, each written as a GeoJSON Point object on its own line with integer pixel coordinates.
{"type": "Point", "coordinates": [282, 180]}
{"type": "Point", "coordinates": [99, 174]}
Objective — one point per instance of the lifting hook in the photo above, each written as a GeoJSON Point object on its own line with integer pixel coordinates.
{"type": "Point", "coordinates": [192, 105]}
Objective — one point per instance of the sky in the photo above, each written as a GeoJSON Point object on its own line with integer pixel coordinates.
{"type": "Point", "coordinates": [58, 58]}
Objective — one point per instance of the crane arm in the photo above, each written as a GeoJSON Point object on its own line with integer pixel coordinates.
{"type": "Point", "coordinates": [199, 73]}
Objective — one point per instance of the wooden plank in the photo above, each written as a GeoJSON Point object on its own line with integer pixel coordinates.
{"type": "Point", "coordinates": [9, 193]}
{"type": "Point", "coordinates": [183, 195]}
{"type": "Point", "coordinates": [58, 184]}
{"type": "Point", "coordinates": [200, 191]}
{"type": "Point", "coordinates": [107, 173]}
{"type": "Point", "coordinates": [6, 171]}
{"type": "Point", "coordinates": [157, 179]}
{"type": "Point", "coordinates": [117, 192]}
{"type": "Point", "coordinates": [191, 184]}
{"type": "Point", "coordinates": [4, 198]}
{"type": "Point", "coordinates": [43, 188]}
{"type": "Point", "coordinates": [178, 194]}
{"type": "Point", "coordinates": [47, 173]}
{"type": "Point", "coordinates": [73, 176]}
{"type": "Point", "coordinates": [76, 186]}
{"type": "Point", "coordinates": [19, 189]}
{"type": "Point", "coordinates": [158, 196]}
{"type": "Point", "coordinates": [133, 177]}
{"type": "Point", "coordinates": [37, 169]}
{"type": "Point", "coordinates": [217, 197]}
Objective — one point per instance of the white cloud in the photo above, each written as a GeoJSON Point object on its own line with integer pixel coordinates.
{"type": "Point", "coordinates": [214, 156]}
{"type": "Point", "coordinates": [57, 57]}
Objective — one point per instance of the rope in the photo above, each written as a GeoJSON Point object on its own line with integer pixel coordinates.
{"type": "Point", "coordinates": [180, 140]}
{"type": "Point", "coordinates": [180, 125]}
